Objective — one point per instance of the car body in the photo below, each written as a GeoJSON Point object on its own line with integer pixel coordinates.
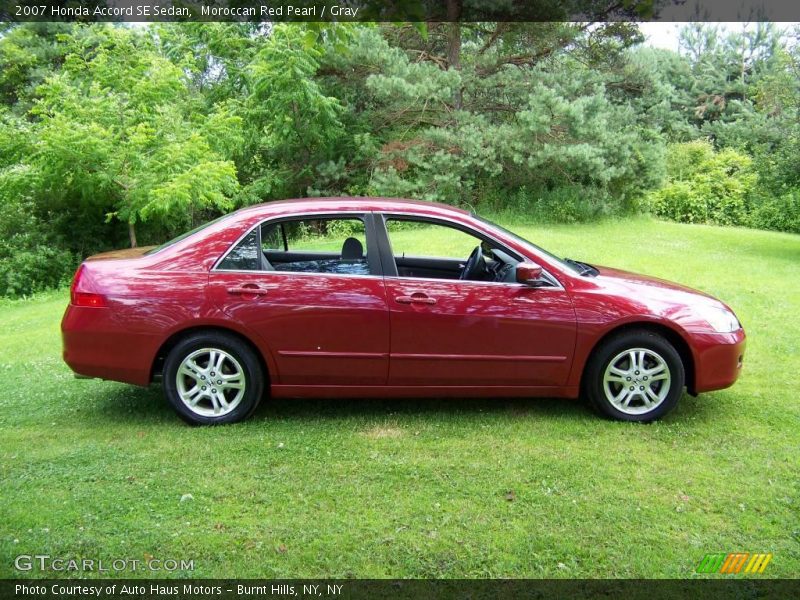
{"type": "Point", "coordinates": [383, 324]}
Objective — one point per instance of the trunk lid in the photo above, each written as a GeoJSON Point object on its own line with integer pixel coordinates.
{"type": "Point", "coordinates": [121, 254]}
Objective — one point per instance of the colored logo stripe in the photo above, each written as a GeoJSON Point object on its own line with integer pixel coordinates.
{"type": "Point", "coordinates": [758, 563]}
{"type": "Point", "coordinates": [734, 562]}
{"type": "Point", "coordinates": [711, 563]}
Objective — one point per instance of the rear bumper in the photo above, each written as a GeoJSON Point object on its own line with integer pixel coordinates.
{"type": "Point", "coordinates": [96, 345]}
{"type": "Point", "coordinates": [718, 359]}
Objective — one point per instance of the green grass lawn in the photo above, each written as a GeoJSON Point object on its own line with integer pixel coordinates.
{"type": "Point", "coordinates": [427, 488]}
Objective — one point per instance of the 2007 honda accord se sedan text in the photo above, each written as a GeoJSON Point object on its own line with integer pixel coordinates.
{"type": "Point", "coordinates": [376, 297]}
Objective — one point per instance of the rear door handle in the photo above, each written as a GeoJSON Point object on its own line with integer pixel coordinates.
{"type": "Point", "coordinates": [238, 291]}
{"type": "Point", "coordinates": [416, 298]}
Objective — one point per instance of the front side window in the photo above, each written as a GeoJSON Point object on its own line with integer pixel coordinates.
{"type": "Point", "coordinates": [313, 245]}
{"type": "Point", "coordinates": [427, 239]}
{"type": "Point", "coordinates": [561, 262]}
{"type": "Point", "coordinates": [427, 249]}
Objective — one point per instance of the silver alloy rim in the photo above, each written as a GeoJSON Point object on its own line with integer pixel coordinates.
{"type": "Point", "coordinates": [636, 381]}
{"type": "Point", "coordinates": [210, 382]}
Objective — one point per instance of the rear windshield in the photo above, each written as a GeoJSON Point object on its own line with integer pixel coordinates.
{"type": "Point", "coordinates": [183, 236]}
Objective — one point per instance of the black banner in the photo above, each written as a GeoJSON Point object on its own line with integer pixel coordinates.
{"type": "Point", "coordinates": [631, 589]}
{"type": "Point", "coordinates": [398, 10]}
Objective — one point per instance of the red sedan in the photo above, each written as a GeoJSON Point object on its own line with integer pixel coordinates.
{"type": "Point", "coordinates": [354, 297]}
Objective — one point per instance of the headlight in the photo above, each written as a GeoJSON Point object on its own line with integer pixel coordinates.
{"type": "Point", "coordinates": [721, 320]}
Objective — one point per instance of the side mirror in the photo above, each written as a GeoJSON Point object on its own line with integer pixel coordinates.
{"type": "Point", "coordinates": [528, 273]}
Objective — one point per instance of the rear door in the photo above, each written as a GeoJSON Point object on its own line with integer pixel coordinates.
{"type": "Point", "coordinates": [324, 317]}
{"type": "Point", "coordinates": [448, 332]}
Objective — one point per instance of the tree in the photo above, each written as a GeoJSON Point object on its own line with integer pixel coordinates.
{"type": "Point", "coordinates": [523, 112]}
{"type": "Point", "coordinates": [293, 124]}
{"type": "Point", "coordinates": [118, 131]}
{"type": "Point", "coordinates": [29, 53]}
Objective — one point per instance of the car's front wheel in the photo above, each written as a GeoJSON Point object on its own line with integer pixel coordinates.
{"type": "Point", "coordinates": [635, 376]}
{"type": "Point", "coordinates": [213, 378]}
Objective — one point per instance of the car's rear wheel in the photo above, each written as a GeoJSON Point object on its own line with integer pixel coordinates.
{"type": "Point", "coordinates": [213, 378]}
{"type": "Point", "coordinates": [635, 376]}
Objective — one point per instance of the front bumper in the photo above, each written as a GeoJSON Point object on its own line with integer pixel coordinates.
{"type": "Point", "coordinates": [718, 359]}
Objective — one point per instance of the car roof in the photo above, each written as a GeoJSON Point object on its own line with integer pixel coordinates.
{"type": "Point", "coordinates": [350, 203]}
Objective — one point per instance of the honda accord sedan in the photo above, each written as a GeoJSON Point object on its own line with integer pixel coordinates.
{"type": "Point", "coordinates": [375, 297]}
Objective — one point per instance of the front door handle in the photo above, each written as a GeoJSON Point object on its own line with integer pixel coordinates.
{"type": "Point", "coordinates": [245, 289]}
{"type": "Point", "coordinates": [415, 298]}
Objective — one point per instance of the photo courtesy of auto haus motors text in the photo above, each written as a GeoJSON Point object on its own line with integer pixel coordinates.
{"type": "Point", "coordinates": [448, 299]}
{"type": "Point", "coordinates": [179, 590]}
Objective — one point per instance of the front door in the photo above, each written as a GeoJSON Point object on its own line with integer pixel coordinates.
{"type": "Point", "coordinates": [448, 332]}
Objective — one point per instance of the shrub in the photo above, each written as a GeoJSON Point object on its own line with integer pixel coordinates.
{"type": "Point", "coordinates": [564, 204]}
{"type": "Point", "coordinates": [781, 213]}
{"type": "Point", "coordinates": [343, 228]}
{"type": "Point", "coordinates": [30, 259]}
{"type": "Point", "coordinates": [679, 201]}
{"type": "Point", "coordinates": [33, 268]}
{"type": "Point", "coordinates": [705, 186]}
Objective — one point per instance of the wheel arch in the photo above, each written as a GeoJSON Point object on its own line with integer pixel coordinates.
{"type": "Point", "coordinates": [157, 366]}
{"type": "Point", "coordinates": [668, 333]}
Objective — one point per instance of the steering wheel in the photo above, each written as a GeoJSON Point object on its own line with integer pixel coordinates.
{"type": "Point", "coordinates": [476, 265]}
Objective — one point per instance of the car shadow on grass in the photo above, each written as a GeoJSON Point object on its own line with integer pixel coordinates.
{"type": "Point", "coordinates": [123, 404]}
{"type": "Point", "coordinates": [705, 408]}
{"type": "Point", "coordinates": [129, 404]}
{"type": "Point", "coordinates": [690, 409]}
{"type": "Point", "coordinates": [312, 409]}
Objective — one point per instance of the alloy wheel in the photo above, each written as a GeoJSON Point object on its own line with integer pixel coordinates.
{"type": "Point", "coordinates": [210, 382]}
{"type": "Point", "coordinates": [636, 381]}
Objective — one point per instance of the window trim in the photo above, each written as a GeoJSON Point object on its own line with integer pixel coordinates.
{"type": "Point", "coordinates": [233, 247]}
{"type": "Point", "coordinates": [366, 217]}
{"type": "Point", "coordinates": [389, 264]}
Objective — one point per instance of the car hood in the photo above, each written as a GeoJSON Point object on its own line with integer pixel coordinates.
{"type": "Point", "coordinates": [647, 284]}
{"type": "Point", "coordinates": [658, 295]}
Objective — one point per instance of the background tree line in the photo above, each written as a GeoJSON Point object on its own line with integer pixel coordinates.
{"type": "Point", "coordinates": [113, 136]}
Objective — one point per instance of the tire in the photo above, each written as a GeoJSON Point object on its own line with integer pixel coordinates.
{"type": "Point", "coordinates": [231, 395]}
{"type": "Point", "coordinates": [639, 367]}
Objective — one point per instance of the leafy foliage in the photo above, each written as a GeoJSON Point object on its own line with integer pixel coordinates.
{"type": "Point", "coordinates": [31, 259]}
{"type": "Point", "coordinates": [781, 213]}
{"type": "Point", "coordinates": [294, 124]}
{"type": "Point", "coordinates": [706, 186]}
{"type": "Point", "coordinates": [111, 135]}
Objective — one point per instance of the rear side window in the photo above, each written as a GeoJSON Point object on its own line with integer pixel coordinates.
{"type": "Point", "coordinates": [244, 257]}
{"type": "Point", "coordinates": [312, 235]}
{"type": "Point", "coordinates": [312, 245]}
{"type": "Point", "coordinates": [316, 245]}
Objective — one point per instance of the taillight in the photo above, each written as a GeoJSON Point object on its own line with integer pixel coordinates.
{"type": "Point", "coordinates": [85, 298]}
{"type": "Point", "coordinates": [75, 282]}
{"type": "Point", "coordinates": [92, 300]}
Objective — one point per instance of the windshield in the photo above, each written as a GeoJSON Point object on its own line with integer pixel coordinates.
{"type": "Point", "coordinates": [560, 261]}
{"type": "Point", "coordinates": [183, 236]}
